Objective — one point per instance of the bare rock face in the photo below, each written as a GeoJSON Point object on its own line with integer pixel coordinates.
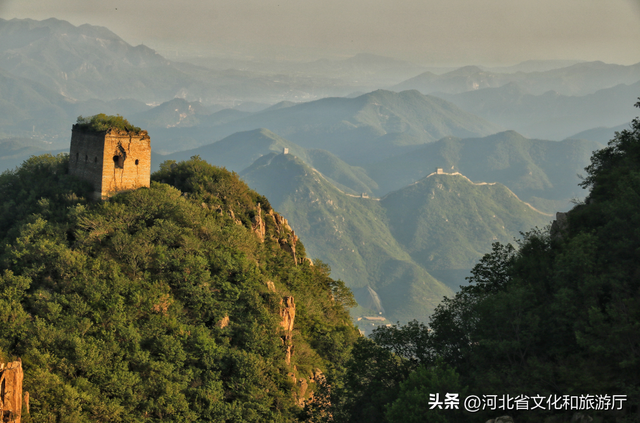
{"type": "Point", "coordinates": [302, 390]}
{"type": "Point", "coordinates": [288, 244]}
{"type": "Point", "coordinates": [257, 224]}
{"type": "Point", "coordinates": [288, 315]}
{"type": "Point", "coordinates": [322, 402]}
{"type": "Point", "coordinates": [281, 223]}
{"type": "Point", "coordinates": [286, 237]}
{"type": "Point", "coordinates": [304, 386]}
{"type": "Point", "coordinates": [11, 376]}
{"type": "Point", "coordinates": [305, 389]}
{"type": "Point", "coordinates": [271, 286]}
{"type": "Point", "coordinates": [224, 322]}
{"type": "Point", "coordinates": [288, 352]}
{"type": "Point", "coordinates": [233, 217]}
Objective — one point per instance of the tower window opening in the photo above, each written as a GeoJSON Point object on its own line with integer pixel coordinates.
{"type": "Point", "coordinates": [86, 158]}
{"type": "Point", "coordinates": [137, 161]}
{"type": "Point", "coordinates": [95, 160]}
{"type": "Point", "coordinates": [77, 156]}
{"type": "Point", "coordinates": [118, 161]}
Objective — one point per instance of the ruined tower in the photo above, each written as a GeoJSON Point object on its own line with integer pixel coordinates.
{"type": "Point", "coordinates": [112, 160]}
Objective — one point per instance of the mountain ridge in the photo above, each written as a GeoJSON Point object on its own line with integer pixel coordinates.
{"type": "Point", "coordinates": [577, 79]}
{"type": "Point", "coordinates": [355, 234]}
{"type": "Point", "coordinates": [379, 121]}
{"type": "Point", "coordinates": [549, 115]}
{"type": "Point", "coordinates": [473, 183]}
{"type": "Point", "coordinates": [541, 172]}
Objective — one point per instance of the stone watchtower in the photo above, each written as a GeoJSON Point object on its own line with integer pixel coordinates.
{"type": "Point", "coordinates": [112, 160]}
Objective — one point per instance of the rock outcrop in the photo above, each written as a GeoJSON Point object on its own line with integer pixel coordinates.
{"type": "Point", "coordinates": [288, 244]}
{"type": "Point", "coordinates": [224, 322]}
{"type": "Point", "coordinates": [303, 391]}
{"type": "Point", "coordinates": [288, 315]}
{"type": "Point", "coordinates": [271, 286]}
{"type": "Point", "coordinates": [305, 394]}
{"type": "Point", "coordinates": [280, 222]}
{"type": "Point", "coordinates": [257, 224]}
{"type": "Point", "coordinates": [286, 236]}
{"type": "Point", "coordinates": [233, 217]}
{"type": "Point", "coordinates": [11, 376]}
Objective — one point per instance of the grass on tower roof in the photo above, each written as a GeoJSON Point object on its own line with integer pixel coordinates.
{"type": "Point", "coordinates": [102, 122]}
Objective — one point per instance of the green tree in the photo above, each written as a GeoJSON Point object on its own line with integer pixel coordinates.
{"type": "Point", "coordinates": [102, 122]}
{"type": "Point", "coordinates": [559, 315]}
{"type": "Point", "coordinates": [417, 393]}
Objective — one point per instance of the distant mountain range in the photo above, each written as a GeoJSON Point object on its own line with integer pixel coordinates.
{"type": "Point", "coordinates": [25, 104]}
{"type": "Point", "coordinates": [388, 246]}
{"type": "Point", "coordinates": [601, 135]}
{"type": "Point", "coordinates": [366, 71]}
{"type": "Point", "coordinates": [13, 151]}
{"type": "Point", "coordinates": [52, 71]}
{"type": "Point", "coordinates": [549, 115]}
{"type": "Point", "coordinates": [535, 66]}
{"type": "Point", "coordinates": [72, 59]}
{"type": "Point", "coordinates": [543, 173]}
{"type": "Point", "coordinates": [358, 129]}
{"type": "Point", "coordinates": [87, 62]}
{"type": "Point", "coordinates": [31, 109]}
{"type": "Point", "coordinates": [578, 79]}
{"type": "Point", "coordinates": [446, 221]}
{"type": "Point", "coordinates": [174, 113]}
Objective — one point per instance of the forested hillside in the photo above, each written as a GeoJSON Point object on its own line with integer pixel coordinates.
{"type": "Point", "coordinates": [555, 318]}
{"type": "Point", "coordinates": [391, 245]}
{"type": "Point", "coordinates": [187, 301]}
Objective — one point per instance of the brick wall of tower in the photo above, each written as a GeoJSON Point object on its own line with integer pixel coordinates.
{"type": "Point", "coordinates": [111, 161]}
{"type": "Point", "coordinates": [134, 170]}
{"type": "Point", "coordinates": [86, 156]}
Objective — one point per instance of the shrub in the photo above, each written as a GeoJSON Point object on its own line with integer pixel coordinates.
{"type": "Point", "coordinates": [102, 122]}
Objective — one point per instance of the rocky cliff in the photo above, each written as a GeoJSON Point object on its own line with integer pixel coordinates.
{"type": "Point", "coordinates": [11, 397]}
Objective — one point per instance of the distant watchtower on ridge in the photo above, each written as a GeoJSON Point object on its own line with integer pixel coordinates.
{"type": "Point", "coordinates": [110, 153]}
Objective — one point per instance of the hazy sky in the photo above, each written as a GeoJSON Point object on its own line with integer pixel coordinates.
{"type": "Point", "coordinates": [431, 32]}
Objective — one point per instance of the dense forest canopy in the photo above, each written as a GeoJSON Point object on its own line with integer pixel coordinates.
{"type": "Point", "coordinates": [162, 304]}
